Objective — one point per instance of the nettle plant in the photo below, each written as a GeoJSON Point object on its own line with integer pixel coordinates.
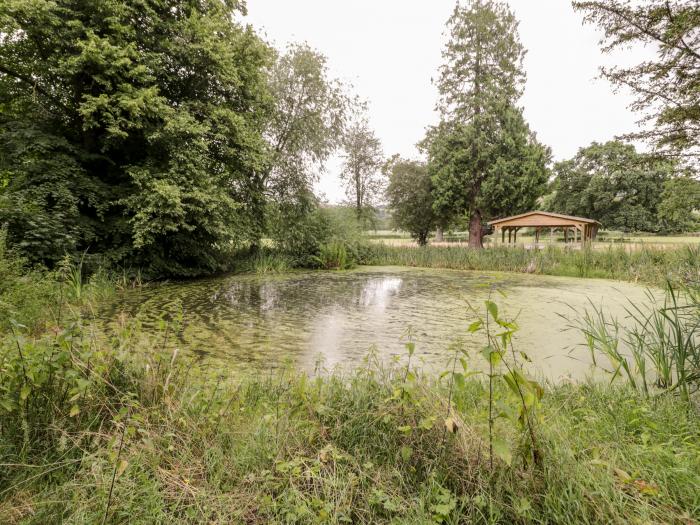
{"type": "Point", "coordinates": [517, 401]}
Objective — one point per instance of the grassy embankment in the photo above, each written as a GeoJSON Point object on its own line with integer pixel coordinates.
{"type": "Point", "coordinates": [99, 427]}
{"type": "Point", "coordinates": [648, 265]}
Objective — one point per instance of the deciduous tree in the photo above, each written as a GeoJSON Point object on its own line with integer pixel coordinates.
{"type": "Point", "coordinates": [306, 126]}
{"type": "Point", "coordinates": [613, 184]}
{"type": "Point", "coordinates": [667, 85]}
{"type": "Point", "coordinates": [361, 173]}
{"type": "Point", "coordinates": [680, 205]}
{"type": "Point", "coordinates": [132, 128]}
{"type": "Point", "coordinates": [410, 197]}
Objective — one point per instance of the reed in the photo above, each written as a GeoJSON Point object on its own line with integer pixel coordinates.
{"type": "Point", "coordinates": [659, 347]}
{"type": "Point", "coordinates": [648, 264]}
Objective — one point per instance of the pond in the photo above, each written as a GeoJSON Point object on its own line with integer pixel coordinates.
{"type": "Point", "coordinates": [334, 318]}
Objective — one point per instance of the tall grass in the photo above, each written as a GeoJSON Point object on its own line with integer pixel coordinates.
{"type": "Point", "coordinates": [267, 261]}
{"type": "Point", "coordinates": [334, 256]}
{"type": "Point", "coordinates": [660, 348]}
{"type": "Point", "coordinates": [649, 265]}
{"type": "Point", "coordinates": [40, 299]}
{"type": "Point", "coordinates": [106, 428]}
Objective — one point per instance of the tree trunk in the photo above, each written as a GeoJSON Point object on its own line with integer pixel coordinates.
{"type": "Point", "coordinates": [475, 233]}
{"type": "Point", "coordinates": [358, 197]}
{"type": "Point", "coordinates": [439, 237]}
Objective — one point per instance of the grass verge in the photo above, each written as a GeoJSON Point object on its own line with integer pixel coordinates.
{"type": "Point", "coordinates": [648, 265]}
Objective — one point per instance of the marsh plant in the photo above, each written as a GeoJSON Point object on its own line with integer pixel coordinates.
{"type": "Point", "coordinates": [334, 255]}
{"type": "Point", "coordinates": [658, 350]}
{"type": "Point", "coordinates": [648, 264]}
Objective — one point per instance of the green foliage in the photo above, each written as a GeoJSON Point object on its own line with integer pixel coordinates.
{"type": "Point", "coordinates": [513, 169]}
{"type": "Point", "coordinates": [665, 85]}
{"type": "Point", "coordinates": [519, 408]}
{"type": "Point", "coordinates": [612, 184]}
{"type": "Point", "coordinates": [24, 294]}
{"type": "Point", "coordinates": [172, 442]}
{"type": "Point", "coordinates": [131, 128]}
{"type": "Point", "coordinates": [680, 204]}
{"type": "Point", "coordinates": [307, 124]}
{"type": "Point", "coordinates": [265, 261]}
{"type": "Point", "coordinates": [334, 256]}
{"type": "Point", "coordinates": [300, 234]}
{"type": "Point", "coordinates": [659, 351]}
{"type": "Point", "coordinates": [483, 158]}
{"type": "Point", "coordinates": [410, 195]}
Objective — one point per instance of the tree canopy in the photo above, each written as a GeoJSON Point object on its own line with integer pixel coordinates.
{"type": "Point", "coordinates": [132, 129]}
{"type": "Point", "coordinates": [307, 124]}
{"type": "Point", "coordinates": [361, 173]}
{"type": "Point", "coordinates": [667, 86]}
{"type": "Point", "coordinates": [613, 184]}
{"type": "Point", "coordinates": [679, 206]}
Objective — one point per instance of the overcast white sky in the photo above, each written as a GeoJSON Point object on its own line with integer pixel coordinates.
{"type": "Point", "coordinates": [390, 49]}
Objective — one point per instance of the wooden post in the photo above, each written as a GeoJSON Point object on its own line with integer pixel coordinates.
{"type": "Point", "coordinates": [509, 232]}
{"type": "Point", "coordinates": [515, 235]}
{"type": "Point", "coordinates": [503, 236]}
{"type": "Point", "coordinates": [537, 235]}
{"type": "Point", "coordinates": [566, 234]}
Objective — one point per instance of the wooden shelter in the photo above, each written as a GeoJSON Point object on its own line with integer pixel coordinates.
{"type": "Point", "coordinates": [580, 227]}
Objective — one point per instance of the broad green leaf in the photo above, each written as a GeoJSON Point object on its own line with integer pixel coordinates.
{"type": "Point", "coordinates": [406, 453]}
{"type": "Point", "coordinates": [492, 308]}
{"type": "Point", "coordinates": [74, 411]}
{"type": "Point", "coordinates": [475, 326]}
{"type": "Point", "coordinates": [464, 364]}
{"type": "Point", "coordinates": [411, 347]}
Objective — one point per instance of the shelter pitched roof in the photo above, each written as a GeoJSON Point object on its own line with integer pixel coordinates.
{"type": "Point", "coordinates": [547, 219]}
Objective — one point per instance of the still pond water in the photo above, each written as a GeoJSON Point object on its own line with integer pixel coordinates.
{"type": "Point", "coordinates": [260, 322]}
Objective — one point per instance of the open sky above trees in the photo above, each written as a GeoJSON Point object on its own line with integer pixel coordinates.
{"type": "Point", "coordinates": [399, 52]}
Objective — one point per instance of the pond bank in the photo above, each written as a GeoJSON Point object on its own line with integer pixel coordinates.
{"type": "Point", "coordinates": [169, 443]}
{"type": "Point", "coordinates": [647, 265]}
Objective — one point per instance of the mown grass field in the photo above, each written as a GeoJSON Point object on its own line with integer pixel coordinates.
{"type": "Point", "coordinates": [604, 240]}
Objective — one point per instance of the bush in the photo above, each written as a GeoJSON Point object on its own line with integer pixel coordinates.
{"type": "Point", "coordinates": [308, 239]}
{"type": "Point", "coordinates": [31, 295]}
